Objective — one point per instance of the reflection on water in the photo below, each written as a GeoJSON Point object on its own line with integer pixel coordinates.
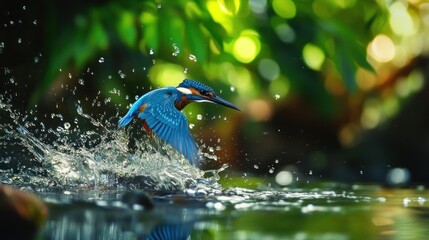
{"type": "Point", "coordinates": [238, 213]}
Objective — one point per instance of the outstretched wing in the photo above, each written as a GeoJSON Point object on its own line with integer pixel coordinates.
{"type": "Point", "coordinates": [170, 124]}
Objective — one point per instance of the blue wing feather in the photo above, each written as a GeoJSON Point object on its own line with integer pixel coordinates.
{"type": "Point", "coordinates": [165, 120]}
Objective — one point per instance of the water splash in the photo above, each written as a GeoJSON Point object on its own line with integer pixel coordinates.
{"type": "Point", "coordinates": [68, 157]}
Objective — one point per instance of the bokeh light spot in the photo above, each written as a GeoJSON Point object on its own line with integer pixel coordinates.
{"type": "Point", "coordinates": [285, 33]}
{"type": "Point", "coordinates": [313, 56]}
{"type": "Point", "coordinates": [260, 110]}
{"type": "Point", "coordinates": [284, 8]}
{"type": "Point", "coordinates": [246, 47]}
{"type": "Point", "coordinates": [400, 20]}
{"type": "Point", "coordinates": [371, 115]}
{"type": "Point", "coordinates": [258, 6]}
{"type": "Point", "coordinates": [284, 178]}
{"type": "Point", "coordinates": [166, 74]}
{"type": "Point", "coordinates": [280, 86]}
{"type": "Point", "coordinates": [365, 80]}
{"type": "Point", "coordinates": [398, 176]}
{"type": "Point", "coordinates": [381, 48]}
{"type": "Point", "coordinates": [269, 69]}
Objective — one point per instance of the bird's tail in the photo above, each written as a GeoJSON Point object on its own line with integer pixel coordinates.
{"type": "Point", "coordinates": [125, 120]}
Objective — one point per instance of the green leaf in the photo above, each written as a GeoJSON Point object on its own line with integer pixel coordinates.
{"type": "Point", "coordinates": [150, 30]}
{"type": "Point", "coordinates": [347, 68]}
{"type": "Point", "coordinates": [98, 37]}
{"type": "Point", "coordinates": [126, 29]}
{"type": "Point", "coordinates": [217, 33]}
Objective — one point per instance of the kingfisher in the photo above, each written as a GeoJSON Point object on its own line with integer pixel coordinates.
{"type": "Point", "coordinates": [161, 112]}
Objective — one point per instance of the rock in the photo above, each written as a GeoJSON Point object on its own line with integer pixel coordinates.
{"type": "Point", "coordinates": [22, 214]}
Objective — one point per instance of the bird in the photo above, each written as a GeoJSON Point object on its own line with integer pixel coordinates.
{"type": "Point", "coordinates": [161, 112]}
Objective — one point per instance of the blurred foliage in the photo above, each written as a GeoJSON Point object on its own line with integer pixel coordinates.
{"type": "Point", "coordinates": [332, 54]}
{"type": "Point", "coordinates": [222, 35]}
{"type": "Point", "coordinates": [312, 49]}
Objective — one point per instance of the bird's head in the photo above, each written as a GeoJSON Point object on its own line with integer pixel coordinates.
{"type": "Point", "coordinates": [197, 92]}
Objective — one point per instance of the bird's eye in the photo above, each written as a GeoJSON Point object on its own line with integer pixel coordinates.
{"type": "Point", "coordinates": [206, 93]}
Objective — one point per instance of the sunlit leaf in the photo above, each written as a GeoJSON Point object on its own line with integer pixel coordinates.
{"type": "Point", "coordinates": [230, 7]}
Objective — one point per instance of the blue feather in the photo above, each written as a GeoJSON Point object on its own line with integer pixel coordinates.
{"type": "Point", "coordinates": [125, 120]}
{"type": "Point", "coordinates": [165, 120]}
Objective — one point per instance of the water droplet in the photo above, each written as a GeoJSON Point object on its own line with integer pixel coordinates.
{"type": "Point", "coordinates": [19, 40]}
{"type": "Point", "coordinates": [24, 7]}
{"type": "Point", "coordinates": [256, 166]}
{"type": "Point", "coordinates": [35, 22]}
{"type": "Point", "coordinates": [109, 77]}
{"type": "Point", "coordinates": [200, 117]}
{"type": "Point", "coordinates": [271, 170]}
{"type": "Point", "coordinates": [211, 149]}
{"type": "Point", "coordinates": [361, 172]}
{"type": "Point", "coordinates": [277, 96]}
{"type": "Point", "coordinates": [101, 60]}
{"type": "Point", "coordinates": [232, 89]}
{"type": "Point", "coordinates": [121, 74]}
{"type": "Point", "coordinates": [11, 80]}
{"type": "Point", "coordinates": [66, 125]}
{"type": "Point", "coordinates": [176, 50]}
{"type": "Point", "coordinates": [158, 6]}
{"type": "Point", "coordinates": [36, 59]}
{"type": "Point", "coordinates": [406, 201]}
{"type": "Point", "coordinates": [81, 82]}
{"type": "Point", "coordinates": [185, 70]}
{"type": "Point", "coordinates": [70, 76]}
{"type": "Point", "coordinates": [310, 172]}
{"type": "Point", "coordinates": [191, 125]}
{"type": "Point", "coordinates": [192, 58]}
{"type": "Point", "coordinates": [151, 51]}
{"type": "Point", "coordinates": [1, 47]}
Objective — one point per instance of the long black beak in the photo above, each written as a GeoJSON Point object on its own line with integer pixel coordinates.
{"type": "Point", "coordinates": [223, 102]}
